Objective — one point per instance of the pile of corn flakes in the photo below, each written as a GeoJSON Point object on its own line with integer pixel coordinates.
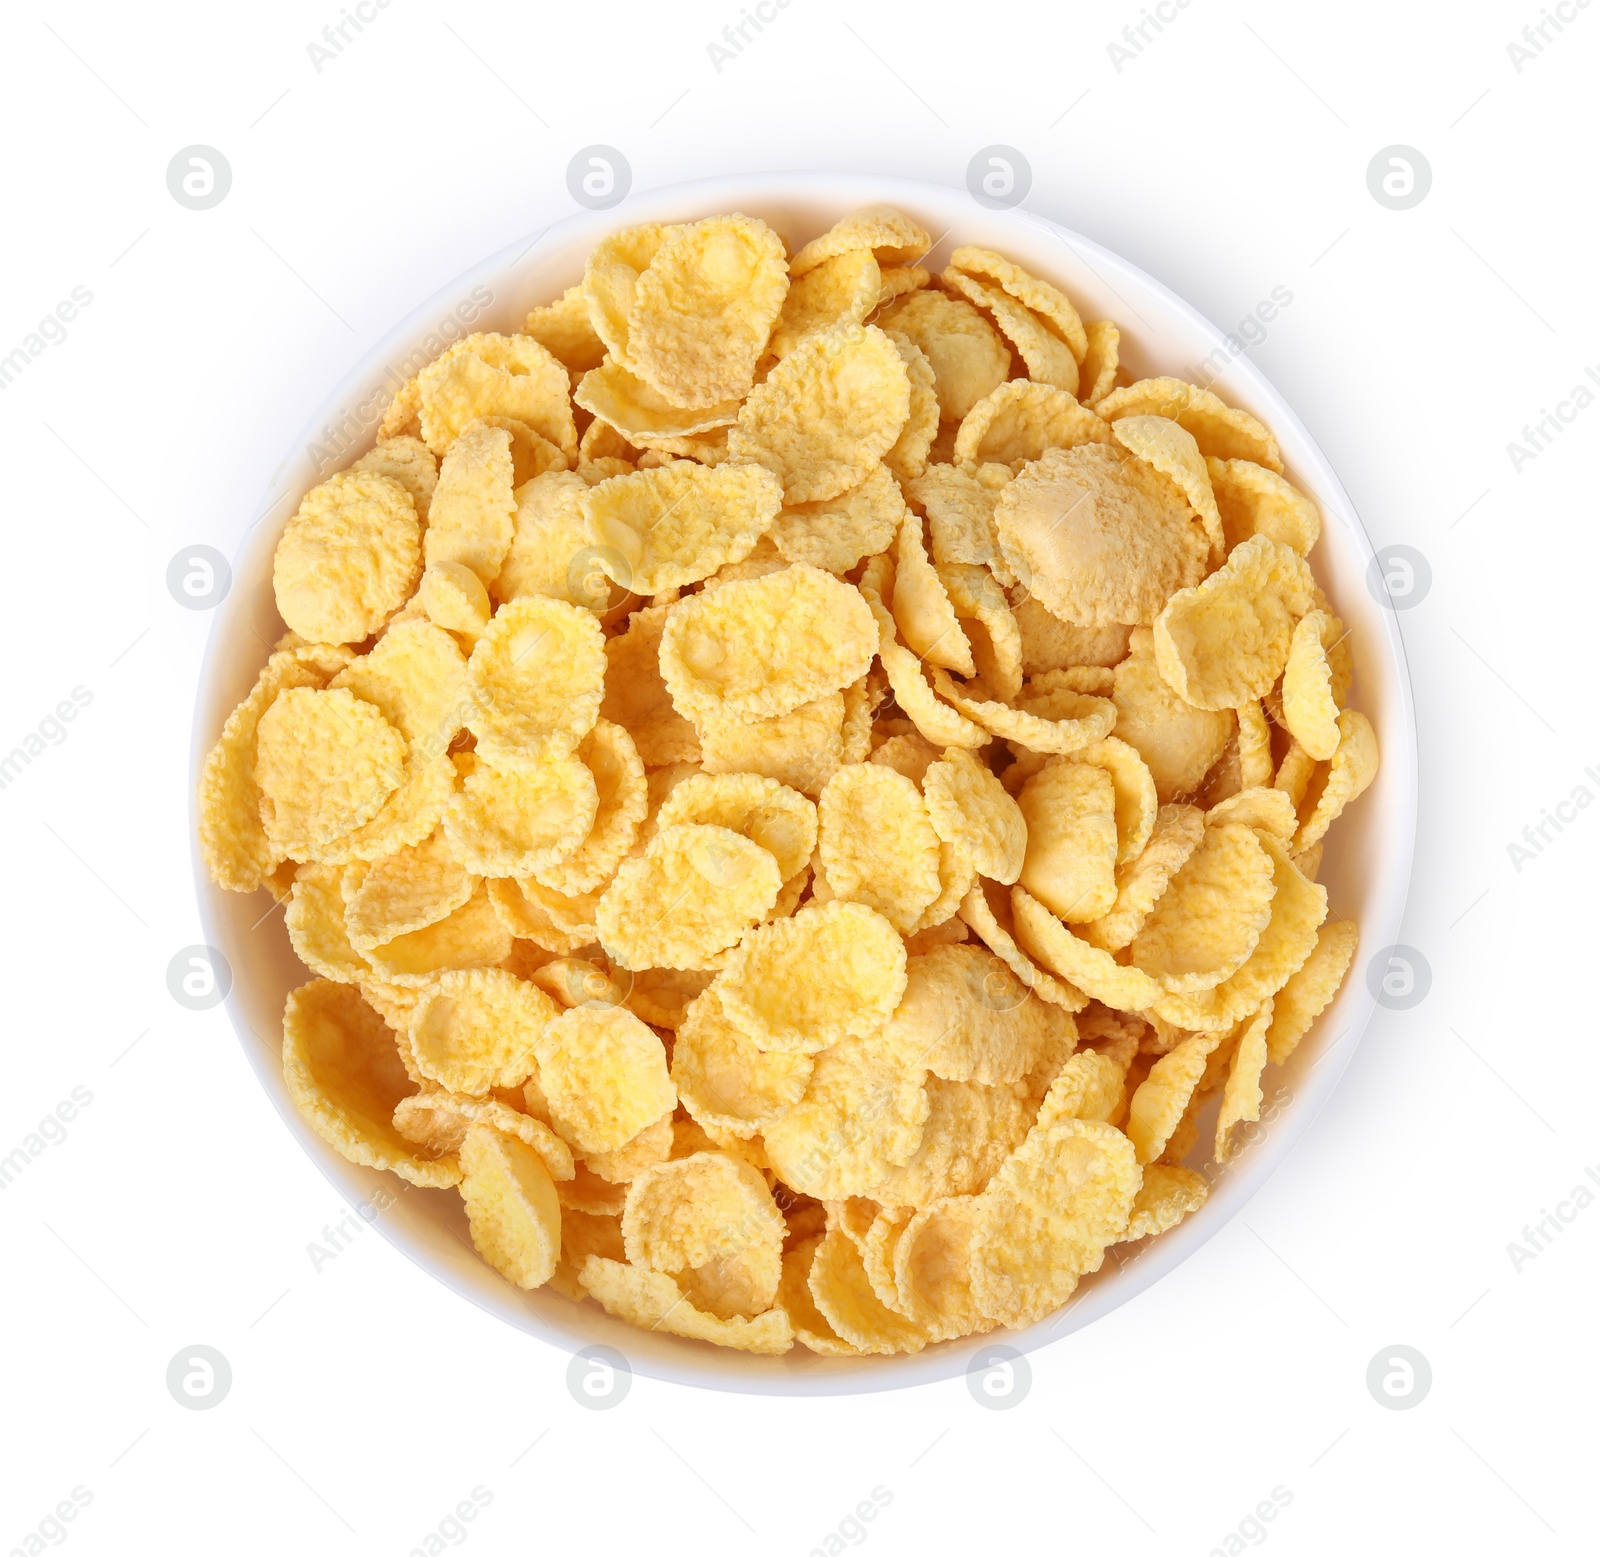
{"type": "Point", "coordinates": [798, 786]}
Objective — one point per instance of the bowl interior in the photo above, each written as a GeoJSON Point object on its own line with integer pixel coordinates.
{"type": "Point", "coordinates": [1367, 873]}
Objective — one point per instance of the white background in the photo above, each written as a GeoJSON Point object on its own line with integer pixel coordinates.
{"type": "Point", "coordinates": [1229, 157]}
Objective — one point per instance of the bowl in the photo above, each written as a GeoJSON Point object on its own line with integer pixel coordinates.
{"type": "Point", "coordinates": [1367, 875]}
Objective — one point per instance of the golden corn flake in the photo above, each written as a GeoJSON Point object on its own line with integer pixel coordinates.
{"type": "Point", "coordinates": [922, 611]}
{"type": "Point", "coordinates": [959, 505]}
{"type": "Point", "coordinates": [512, 1210]}
{"type": "Point", "coordinates": [1179, 743]}
{"type": "Point", "coordinates": [622, 797]}
{"type": "Point", "coordinates": [1310, 990]}
{"type": "Point", "coordinates": [1267, 810]}
{"type": "Point", "coordinates": [987, 909]}
{"type": "Point", "coordinates": [649, 1148]}
{"type": "Point", "coordinates": [1048, 643]}
{"type": "Point", "coordinates": [762, 647]}
{"type": "Point", "coordinates": [811, 1328]}
{"type": "Point", "coordinates": [636, 696]}
{"type": "Point", "coordinates": [678, 523]}
{"type": "Point", "coordinates": [692, 893]}
{"type": "Point", "coordinates": [1084, 966]}
{"type": "Point", "coordinates": [495, 375]}
{"type": "Point", "coordinates": [550, 552]}
{"type": "Point", "coordinates": [475, 1029]}
{"type": "Point", "coordinates": [470, 937]}
{"type": "Point", "coordinates": [843, 1294]}
{"type": "Point", "coordinates": [406, 460]}
{"type": "Point", "coordinates": [968, 805]}
{"type": "Point", "coordinates": [1220, 431]}
{"type": "Point", "coordinates": [1097, 373]}
{"type": "Point", "coordinates": [724, 1080]}
{"type": "Point", "coordinates": [838, 532]}
{"type": "Point", "coordinates": [1309, 708]}
{"type": "Point", "coordinates": [440, 1119]}
{"type": "Point", "coordinates": [1019, 421]}
{"type": "Point", "coordinates": [611, 278]}
{"type": "Point", "coordinates": [877, 844]}
{"type": "Point", "coordinates": [532, 912]}
{"type": "Point", "coordinates": [1241, 1098]}
{"type": "Point", "coordinates": [1343, 781]}
{"type": "Point", "coordinates": [523, 820]}
{"type": "Point", "coordinates": [1170, 448]}
{"type": "Point", "coordinates": [314, 918]}
{"type": "Point", "coordinates": [535, 680]}
{"type": "Point", "coordinates": [1071, 853]}
{"type": "Point", "coordinates": [416, 677]}
{"type": "Point", "coordinates": [841, 290]}
{"type": "Point", "coordinates": [988, 625]}
{"type": "Point", "coordinates": [897, 280]}
{"type": "Point", "coordinates": [933, 1270]}
{"type": "Point", "coordinates": [348, 558]}
{"type": "Point", "coordinates": [1088, 1086]}
{"type": "Point", "coordinates": [1161, 1098]}
{"type": "Point", "coordinates": [1166, 1196]}
{"type": "Point", "coordinates": [1227, 640]}
{"type": "Point", "coordinates": [801, 749]}
{"type": "Point", "coordinates": [1047, 1217]}
{"type": "Point", "coordinates": [771, 814]}
{"type": "Point", "coordinates": [604, 1076]}
{"type": "Point", "coordinates": [1098, 536]}
{"type": "Point", "coordinates": [342, 1071]}
{"type": "Point", "coordinates": [453, 597]}
{"type": "Point", "coordinates": [564, 330]}
{"type": "Point", "coordinates": [1253, 500]}
{"type": "Point", "coordinates": [1142, 880]}
{"type": "Point", "coordinates": [471, 518]}
{"type": "Point", "coordinates": [1048, 358]}
{"type": "Point", "coordinates": [1039, 296]}
{"type": "Point", "coordinates": [1134, 791]}
{"type": "Point", "coordinates": [965, 351]}
{"type": "Point", "coordinates": [1070, 721]}
{"type": "Point", "coordinates": [833, 971]}
{"type": "Point", "coordinates": [653, 1301]}
{"type": "Point", "coordinates": [827, 413]}
{"type": "Point", "coordinates": [892, 236]}
{"type": "Point", "coordinates": [908, 456]}
{"type": "Point", "coordinates": [639, 414]}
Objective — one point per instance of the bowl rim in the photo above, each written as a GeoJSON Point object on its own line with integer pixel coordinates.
{"type": "Point", "coordinates": [698, 1364]}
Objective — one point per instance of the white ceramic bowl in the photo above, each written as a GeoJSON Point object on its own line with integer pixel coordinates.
{"type": "Point", "coordinates": [1367, 868]}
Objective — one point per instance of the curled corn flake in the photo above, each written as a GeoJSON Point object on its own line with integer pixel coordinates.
{"type": "Point", "coordinates": [470, 937]}
{"type": "Point", "coordinates": [833, 971]}
{"type": "Point", "coordinates": [1047, 1217]}
{"type": "Point", "coordinates": [877, 844]}
{"type": "Point", "coordinates": [892, 236]}
{"type": "Point", "coordinates": [1166, 446]}
{"type": "Point", "coordinates": [678, 523]}
{"type": "Point", "coordinates": [583, 1234]}
{"type": "Point", "coordinates": [1088, 1086]}
{"type": "Point", "coordinates": [840, 290]}
{"type": "Point", "coordinates": [827, 413]}
{"type": "Point", "coordinates": [1309, 708]}
{"type": "Point", "coordinates": [1267, 810]}
{"type": "Point", "coordinates": [692, 893]}
{"type": "Point", "coordinates": [1048, 643]}
{"type": "Point", "coordinates": [639, 413]}
{"type": "Point", "coordinates": [922, 611]}
{"type": "Point", "coordinates": [564, 330]}
{"type": "Point", "coordinates": [523, 820]}
{"type": "Point", "coordinates": [1141, 881]}
{"type": "Point", "coordinates": [1253, 500]}
{"type": "Point", "coordinates": [641, 1152]}
{"type": "Point", "coordinates": [908, 455]}
{"type": "Point", "coordinates": [1134, 791]}
{"type": "Point", "coordinates": [453, 597]}
{"type": "Point", "coordinates": [801, 749]}
{"type": "Point", "coordinates": [662, 996]}
{"type": "Point", "coordinates": [348, 558]}
{"type": "Point", "coordinates": [968, 805]}
{"type": "Point", "coordinates": [416, 678]}
{"type": "Point", "coordinates": [1070, 859]}
{"type": "Point", "coordinates": [495, 375]}
{"type": "Point", "coordinates": [535, 679]}
{"type": "Point", "coordinates": [604, 1076]}
{"type": "Point", "coordinates": [811, 1327]}
{"type": "Point", "coordinates": [1241, 1097]}
{"type": "Point", "coordinates": [1072, 958]}
{"type": "Point", "coordinates": [1048, 358]}
{"type": "Point", "coordinates": [702, 1208]}
{"type": "Point", "coordinates": [1074, 720]}
{"type": "Point", "coordinates": [956, 876]}
{"type": "Point", "coordinates": [1159, 1101]}
{"type": "Point", "coordinates": [1343, 781]}
{"type": "Point", "coordinates": [1019, 421]}
{"type": "Point", "coordinates": [406, 460]}
{"type": "Point", "coordinates": [622, 796]}
{"type": "Point", "coordinates": [987, 909]}
{"type": "Point", "coordinates": [611, 278]}
{"type": "Point", "coordinates": [1310, 990]}
{"type": "Point", "coordinates": [1097, 373]}
{"type": "Point", "coordinates": [325, 764]}
{"type": "Point", "coordinates": [440, 1119]}
{"type": "Point", "coordinates": [724, 1080]}
{"type": "Point", "coordinates": [970, 1131]}
{"type": "Point", "coordinates": [933, 1269]}
{"type": "Point", "coordinates": [342, 1071]}
{"type": "Point", "coordinates": [843, 1294]}
{"type": "Point", "coordinates": [550, 552]}
{"type": "Point", "coordinates": [653, 1301]}
{"type": "Point", "coordinates": [897, 280]}
{"type": "Point", "coordinates": [532, 912]}
{"type": "Point", "coordinates": [314, 918]}
{"type": "Point", "coordinates": [838, 532]}
{"type": "Point", "coordinates": [1179, 743]}
{"type": "Point", "coordinates": [1166, 1196]}
{"type": "Point", "coordinates": [475, 1029]}
{"type": "Point", "coordinates": [1039, 296]}
{"type": "Point", "coordinates": [965, 351]}
{"type": "Point", "coordinates": [771, 814]}
{"type": "Point", "coordinates": [636, 696]}
{"type": "Point", "coordinates": [987, 623]}
{"type": "Point", "coordinates": [1227, 640]}
{"type": "Point", "coordinates": [760, 648]}
{"type": "Point", "coordinates": [910, 754]}
{"type": "Point", "coordinates": [512, 1210]}
{"type": "Point", "coordinates": [959, 505]}
{"type": "Point", "coordinates": [471, 518]}
{"type": "Point", "coordinates": [1099, 537]}
{"type": "Point", "coordinates": [1220, 431]}
{"type": "Point", "coordinates": [1208, 921]}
